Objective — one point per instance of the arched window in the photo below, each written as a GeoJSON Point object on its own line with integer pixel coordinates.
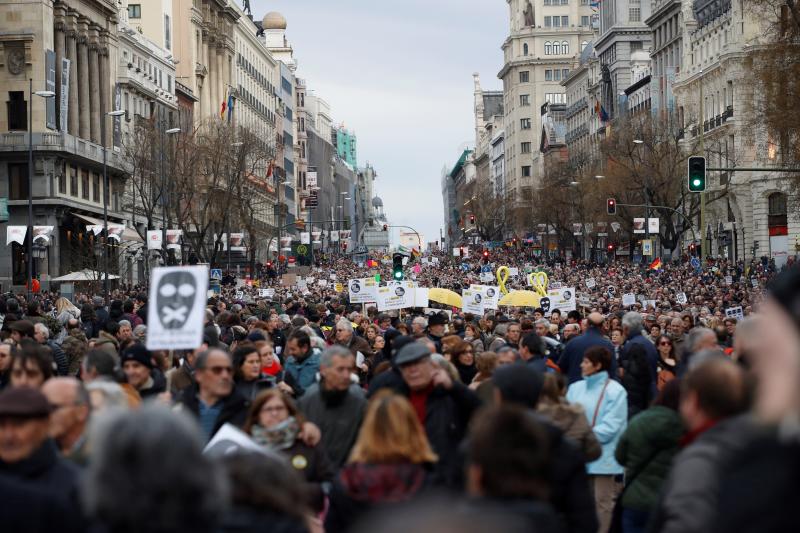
{"type": "Point", "coordinates": [584, 44]}
{"type": "Point", "coordinates": [525, 49]}
{"type": "Point", "coordinates": [556, 48]}
{"type": "Point", "coordinates": [777, 209]}
{"type": "Point", "coordinates": [548, 48]}
{"type": "Point", "coordinates": [564, 47]}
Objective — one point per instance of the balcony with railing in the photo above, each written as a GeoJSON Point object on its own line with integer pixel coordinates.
{"type": "Point", "coordinates": [575, 108]}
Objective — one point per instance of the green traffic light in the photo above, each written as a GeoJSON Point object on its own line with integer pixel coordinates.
{"type": "Point", "coordinates": [696, 182]}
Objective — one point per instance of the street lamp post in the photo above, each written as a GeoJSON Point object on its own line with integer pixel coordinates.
{"type": "Point", "coordinates": [114, 113]}
{"type": "Point", "coordinates": [170, 131]}
{"type": "Point", "coordinates": [43, 94]}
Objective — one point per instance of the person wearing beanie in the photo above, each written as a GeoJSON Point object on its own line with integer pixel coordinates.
{"type": "Point", "coordinates": [521, 385]}
{"type": "Point", "coordinates": [141, 373]}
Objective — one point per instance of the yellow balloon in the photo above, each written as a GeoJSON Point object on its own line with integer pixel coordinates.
{"type": "Point", "coordinates": [539, 282]}
{"type": "Point", "coordinates": [502, 276]}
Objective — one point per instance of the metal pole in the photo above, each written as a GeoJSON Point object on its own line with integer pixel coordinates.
{"type": "Point", "coordinates": [703, 237]}
{"type": "Point", "coordinates": [29, 234]}
{"type": "Point", "coordinates": [163, 188]}
{"type": "Point", "coordinates": [105, 208]}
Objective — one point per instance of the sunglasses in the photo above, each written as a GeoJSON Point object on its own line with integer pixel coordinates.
{"type": "Point", "coordinates": [218, 370]}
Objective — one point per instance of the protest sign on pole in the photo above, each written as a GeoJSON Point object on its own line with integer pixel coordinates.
{"type": "Point", "coordinates": [362, 290]}
{"type": "Point", "coordinates": [177, 307]}
{"type": "Point", "coordinates": [490, 293]}
{"type": "Point", "coordinates": [628, 300]}
{"type": "Point", "coordinates": [734, 312]}
{"type": "Point", "coordinates": [472, 301]}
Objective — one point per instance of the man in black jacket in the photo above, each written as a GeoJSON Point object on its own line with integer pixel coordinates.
{"type": "Point", "coordinates": [444, 407]}
{"type": "Point", "coordinates": [569, 486]}
{"type": "Point", "coordinates": [213, 399]}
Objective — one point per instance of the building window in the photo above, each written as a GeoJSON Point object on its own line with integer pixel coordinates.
{"type": "Point", "coordinates": [564, 73]}
{"type": "Point", "coordinates": [548, 21]}
{"type": "Point", "coordinates": [96, 188]}
{"type": "Point", "coordinates": [548, 75]}
{"type": "Point", "coordinates": [134, 11]}
{"type": "Point", "coordinates": [525, 123]}
{"type": "Point", "coordinates": [62, 182]}
{"type": "Point", "coordinates": [18, 181]}
{"type": "Point", "coordinates": [585, 20]}
{"type": "Point", "coordinates": [73, 181]}
{"type": "Point", "coordinates": [548, 48]}
{"type": "Point", "coordinates": [16, 108]}
{"type": "Point", "coordinates": [525, 148]}
{"type": "Point", "coordinates": [555, 98]}
{"type": "Point", "coordinates": [777, 209]}
{"type": "Point", "coordinates": [556, 48]}
{"type": "Point", "coordinates": [524, 76]}
{"type": "Point", "coordinates": [526, 171]}
{"type": "Point", "coordinates": [556, 22]}
{"type": "Point", "coordinates": [564, 47]}
{"type": "Point", "coordinates": [524, 99]}
{"type": "Point", "coordinates": [85, 184]}
{"type": "Point", "coordinates": [634, 14]}
{"type": "Point", "coordinates": [564, 2]}
{"type": "Point", "coordinates": [167, 33]}
{"type": "Point", "coordinates": [525, 49]}
{"type": "Point", "coordinates": [584, 44]}
{"type": "Point", "coordinates": [564, 21]}
{"type": "Point", "coordinates": [547, 2]}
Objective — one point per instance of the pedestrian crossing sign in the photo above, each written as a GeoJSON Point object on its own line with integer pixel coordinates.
{"type": "Point", "coordinates": [216, 273]}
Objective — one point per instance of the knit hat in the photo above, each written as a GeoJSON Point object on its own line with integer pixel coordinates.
{"type": "Point", "coordinates": [137, 352]}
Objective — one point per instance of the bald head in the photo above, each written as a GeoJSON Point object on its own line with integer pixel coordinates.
{"type": "Point", "coordinates": [71, 407]}
{"type": "Point", "coordinates": [595, 319]}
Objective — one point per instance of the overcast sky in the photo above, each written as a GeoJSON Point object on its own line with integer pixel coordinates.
{"type": "Point", "coordinates": [399, 73]}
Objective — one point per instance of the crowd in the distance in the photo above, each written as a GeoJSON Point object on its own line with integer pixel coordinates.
{"type": "Point", "coordinates": [665, 418]}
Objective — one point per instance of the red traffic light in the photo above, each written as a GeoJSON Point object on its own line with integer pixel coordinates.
{"type": "Point", "coordinates": [610, 247]}
{"type": "Point", "coordinates": [611, 206]}
{"type": "Point", "coordinates": [485, 254]}
{"type": "Point", "coordinates": [472, 219]}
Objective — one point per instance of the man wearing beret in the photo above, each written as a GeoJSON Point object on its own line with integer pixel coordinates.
{"type": "Point", "coordinates": [142, 375]}
{"type": "Point", "coordinates": [27, 454]}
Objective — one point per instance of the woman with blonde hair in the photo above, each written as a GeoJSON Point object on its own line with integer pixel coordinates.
{"type": "Point", "coordinates": [65, 311]}
{"type": "Point", "coordinates": [391, 462]}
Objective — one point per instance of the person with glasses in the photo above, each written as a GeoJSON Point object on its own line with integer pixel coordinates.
{"type": "Point", "coordinates": [213, 399]}
{"type": "Point", "coordinates": [275, 422]}
{"type": "Point", "coordinates": [667, 361]}
{"type": "Point", "coordinates": [70, 416]}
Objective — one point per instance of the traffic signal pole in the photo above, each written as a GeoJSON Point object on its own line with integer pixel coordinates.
{"type": "Point", "coordinates": [704, 245]}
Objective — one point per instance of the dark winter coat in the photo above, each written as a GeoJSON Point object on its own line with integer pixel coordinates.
{"type": "Point", "coordinates": [646, 450]}
{"type": "Point", "coordinates": [636, 379]}
{"type": "Point", "coordinates": [159, 385]}
{"type": "Point", "coordinates": [570, 361]}
{"type": "Point", "coordinates": [247, 520]}
{"type": "Point", "coordinates": [30, 508]}
{"type": "Point", "coordinates": [313, 464]}
{"type": "Point", "coordinates": [338, 418]}
{"type": "Point", "coordinates": [360, 488]}
{"type": "Point", "coordinates": [234, 408]}
{"type": "Point", "coordinates": [635, 338]}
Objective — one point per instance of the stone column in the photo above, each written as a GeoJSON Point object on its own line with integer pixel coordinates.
{"type": "Point", "coordinates": [94, 85]}
{"type": "Point", "coordinates": [72, 54]}
{"type": "Point", "coordinates": [59, 37]}
{"type": "Point", "coordinates": [82, 109]}
{"type": "Point", "coordinates": [205, 94]}
{"type": "Point", "coordinates": [106, 103]}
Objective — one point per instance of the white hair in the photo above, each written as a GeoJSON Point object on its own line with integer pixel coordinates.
{"type": "Point", "coordinates": [41, 328]}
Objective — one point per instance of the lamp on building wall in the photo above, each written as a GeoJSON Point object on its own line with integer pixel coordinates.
{"type": "Point", "coordinates": [43, 94]}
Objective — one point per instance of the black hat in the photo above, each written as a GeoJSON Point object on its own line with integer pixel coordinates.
{"type": "Point", "coordinates": [519, 384]}
{"type": "Point", "coordinates": [438, 319]}
{"type": "Point", "coordinates": [24, 402]}
{"type": "Point", "coordinates": [411, 352]}
{"type": "Point", "coordinates": [136, 352]}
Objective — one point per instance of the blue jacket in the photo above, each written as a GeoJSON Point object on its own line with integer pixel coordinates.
{"type": "Point", "coordinates": [570, 362]}
{"type": "Point", "coordinates": [612, 417]}
{"type": "Point", "coordinates": [304, 372]}
{"type": "Point", "coordinates": [652, 356]}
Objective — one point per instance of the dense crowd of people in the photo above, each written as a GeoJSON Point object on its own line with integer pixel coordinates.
{"type": "Point", "coordinates": [303, 412]}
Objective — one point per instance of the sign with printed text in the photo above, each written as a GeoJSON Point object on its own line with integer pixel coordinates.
{"type": "Point", "coordinates": [395, 297]}
{"type": "Point", "coordinates": [472, 302]}
{"type": "Point", "coordinates": [176, 307]}
{"type": "Point", "coordinates": [490, 293]}
{"type": "Point", "coordinates": [266, 293]}
{"type": "Point", "coordinates": [563, 299]}
{"type": "Point", "coordinates": [628, 300]}
{"type": "Point", "coordinates": [362, 290]}
{"type": "Point", "coordinates": [729, 280]}
{"type": "Point", "coordinates": [681, 298]}
{"type": "Point", "coordinates": [734, 312]}
{"type": "Point", "coordinates": [590, 283]}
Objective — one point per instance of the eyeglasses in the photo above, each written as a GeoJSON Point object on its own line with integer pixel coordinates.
{"type": "Point", "coordinates": [665, 343]}
{"type": "Point", "coordinates": [274, 410]}
{"type": "Point", "coordinates": [218, 370]}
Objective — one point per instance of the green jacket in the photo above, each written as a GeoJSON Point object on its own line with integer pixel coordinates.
{"type": "Point", "coordinates": [646, 450]}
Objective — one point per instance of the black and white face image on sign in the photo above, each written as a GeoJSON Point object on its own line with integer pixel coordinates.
{"type": "Point", "coordinates": [177, 301]}
{"type": "Point", "coordinates": [355, 286]}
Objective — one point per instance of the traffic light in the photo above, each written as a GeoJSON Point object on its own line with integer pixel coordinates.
{"type": "Point", "coordinates": [611, 206]}
{"type": "Point", "coordinates": [397, 267]}
{"type": "Point", "coordinates": [486, 256]}
{"type": "Point", "coordinates": [472, 219]}
{"type": "Point", "coordinates": [610, 247]}
{"type": "Point", "coordinates": [691, 248]}
{"type": "Point", "coordinates": [697, 173]}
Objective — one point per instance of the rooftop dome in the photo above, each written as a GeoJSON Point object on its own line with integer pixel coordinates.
{"type": "Point", "coordinates": [377, 202]}
{"type": "Point", "coordinates": [273, 21]}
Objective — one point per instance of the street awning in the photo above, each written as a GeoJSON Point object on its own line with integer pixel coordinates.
{"type": "Point", "coordinates": [128, 234]}
{"type": "Point", "coordinates": [84, 275]}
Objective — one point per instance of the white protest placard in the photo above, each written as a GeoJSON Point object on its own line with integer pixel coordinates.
{"type": "Point", "coordinates": [681, 298]}
{"type": "Point", "coordinates": [486, 276]}
{"type": "Point", "coordinates": [513, 271]}
{"type": "Point", "coordinates": [362, 290]}
{"type": "Point", "coordinates": [650, 303]}
{"type": "Point", "coordinates": [266, 293]}
{"type": "Point", "coordinates": [555, 285]}
{"type": "Point", "coordinates": [332, 277]}
{"type": "Point", "coordinates": [590, 283]}
{"type": "Point", "coordinates": [240, 295]}
{"type": "Point", "coordinates": [734, 312]}
{"type": "Point", "coordinates": [230, 439]}
{"type": "Point", "coordinates": [628, 299]}
{"type": "Point", "coordinates": [302, 285]}
{"type": "Point", "coordinates": [396, 297]}
{"type": "Point", "coordinates": [434, 260]}
{"type": "Point", "coordinates": [563, 299]}
{"type": "Point", "coordinates": [421, 297]}
{"type": "Point", "coordinates": [322, 283]}
{"type": "Point", "coordinates": [310, 280]}
{"type": "Point", "coordinates": [490, 293]}
{"type": "Point", "coordinates": [472, 302]}
{"type": "Point", "coordinates": [177, 307]}
{"type": "Point", "coordinates": [754, 282]}
{"type": "Point", "coordinates": [729, 280]}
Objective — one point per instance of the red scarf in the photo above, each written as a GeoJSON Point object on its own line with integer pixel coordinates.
{"type": "Point", "coordinates": [419, 399]}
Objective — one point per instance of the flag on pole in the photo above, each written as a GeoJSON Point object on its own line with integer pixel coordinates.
{"type": "Point", "coordinates": [222, 109]}
{"type": "Point", "coordinates": [655, 265]}
{"type": "Point", "coordinates": [270, 169]}
{"type": "Point", "coordinates": [230, 104]}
